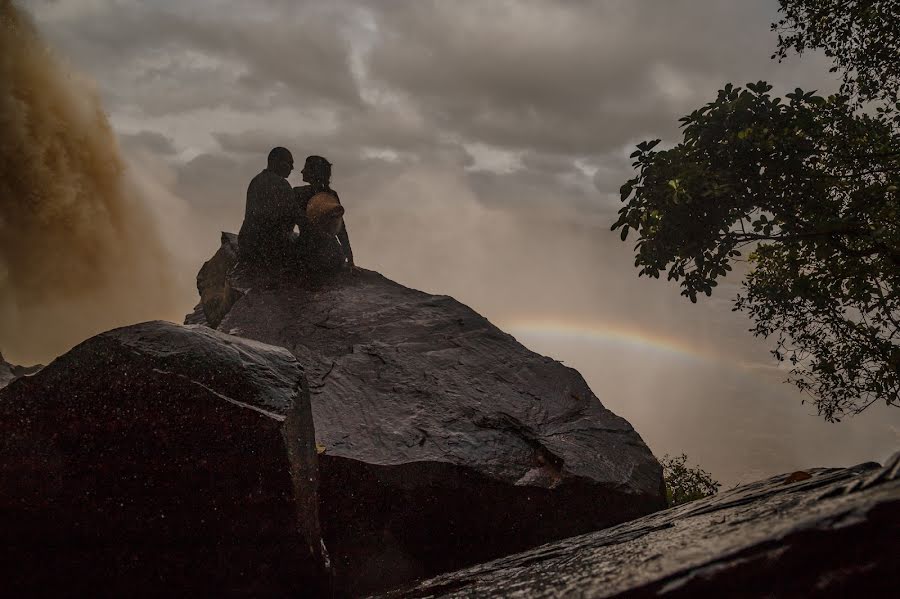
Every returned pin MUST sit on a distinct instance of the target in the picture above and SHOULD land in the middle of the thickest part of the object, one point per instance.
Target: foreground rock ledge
(446, 441)
(159, 459)
(822, 533)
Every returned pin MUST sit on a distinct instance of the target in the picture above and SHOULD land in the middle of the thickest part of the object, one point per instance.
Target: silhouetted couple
(274, 209)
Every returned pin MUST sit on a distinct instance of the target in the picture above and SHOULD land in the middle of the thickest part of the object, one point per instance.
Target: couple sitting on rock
(267, 237)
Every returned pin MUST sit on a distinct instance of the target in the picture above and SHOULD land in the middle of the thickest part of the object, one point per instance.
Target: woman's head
(316, 170)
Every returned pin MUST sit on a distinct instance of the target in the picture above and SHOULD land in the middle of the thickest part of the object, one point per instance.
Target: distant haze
(478, 149)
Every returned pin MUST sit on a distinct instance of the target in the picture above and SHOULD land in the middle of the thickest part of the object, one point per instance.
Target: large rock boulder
(159, 460)
(216, 294)
(821, 533)
(446, 442)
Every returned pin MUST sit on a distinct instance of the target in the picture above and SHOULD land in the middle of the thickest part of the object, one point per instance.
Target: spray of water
(79, 252)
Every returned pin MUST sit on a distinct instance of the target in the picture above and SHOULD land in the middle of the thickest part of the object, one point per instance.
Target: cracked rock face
(831, 534)
(159, 458)
(446, 442)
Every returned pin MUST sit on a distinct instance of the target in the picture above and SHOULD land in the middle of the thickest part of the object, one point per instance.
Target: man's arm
(286, 202)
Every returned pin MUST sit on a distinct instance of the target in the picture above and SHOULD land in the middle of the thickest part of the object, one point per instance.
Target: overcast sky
(478, 148)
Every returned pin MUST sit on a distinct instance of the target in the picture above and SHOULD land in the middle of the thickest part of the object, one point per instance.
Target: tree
(684, 484)
(807, 187)
(859, 35)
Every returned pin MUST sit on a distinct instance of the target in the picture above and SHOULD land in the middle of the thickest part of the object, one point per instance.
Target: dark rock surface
(835, 533)
(216, 293)
(159, 460)
(446, 441)
(10, 372)
(6, 372)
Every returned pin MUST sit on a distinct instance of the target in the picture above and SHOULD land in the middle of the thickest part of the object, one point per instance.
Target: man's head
(317, 170)
(281, 162)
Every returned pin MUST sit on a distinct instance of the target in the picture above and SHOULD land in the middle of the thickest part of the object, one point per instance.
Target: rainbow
(606, 334)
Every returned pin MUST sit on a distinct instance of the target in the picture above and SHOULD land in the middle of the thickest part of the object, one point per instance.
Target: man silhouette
(323, 250)
(271, 213)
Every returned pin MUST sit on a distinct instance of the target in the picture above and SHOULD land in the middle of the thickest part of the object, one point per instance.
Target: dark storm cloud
(170, 57)
(567, 77)
(565, 81)
(369, 128)
(556, 81)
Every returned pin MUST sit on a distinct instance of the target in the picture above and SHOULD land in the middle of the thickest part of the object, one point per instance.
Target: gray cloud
(569, 77)
(166, 57)
(215, 185)
(150, 141)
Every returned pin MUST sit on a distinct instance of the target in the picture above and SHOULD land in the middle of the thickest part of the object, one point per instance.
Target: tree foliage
(862, 37)
(684, 484)
(806, 189)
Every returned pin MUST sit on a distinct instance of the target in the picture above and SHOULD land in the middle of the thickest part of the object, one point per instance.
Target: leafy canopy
(860, 36)
(805, 190)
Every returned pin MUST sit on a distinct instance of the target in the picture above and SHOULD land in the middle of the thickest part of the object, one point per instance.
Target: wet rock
(10, 372)
(6, 372)
(159, 460)
(196, 316)
(832, 534)
(216, 293)
(445, 441)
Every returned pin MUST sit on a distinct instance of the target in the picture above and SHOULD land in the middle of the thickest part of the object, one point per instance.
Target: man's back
(269, 218)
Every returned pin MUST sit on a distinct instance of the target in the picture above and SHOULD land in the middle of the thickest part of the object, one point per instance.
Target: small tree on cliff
(809, 187)
(685, 484)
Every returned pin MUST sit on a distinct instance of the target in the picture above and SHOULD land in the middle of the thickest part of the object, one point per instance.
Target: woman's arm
(344, 238)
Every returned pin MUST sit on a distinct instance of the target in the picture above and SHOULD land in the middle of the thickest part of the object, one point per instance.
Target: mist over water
(79, 253)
